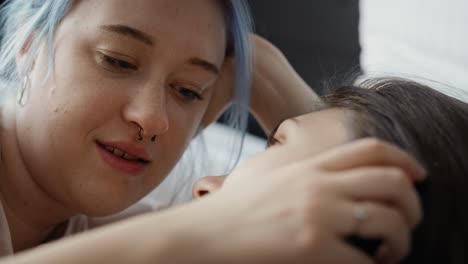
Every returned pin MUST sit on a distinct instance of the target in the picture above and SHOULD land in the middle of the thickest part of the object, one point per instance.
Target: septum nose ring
(140, 136)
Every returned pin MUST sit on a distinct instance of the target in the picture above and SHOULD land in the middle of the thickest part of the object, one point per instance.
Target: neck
(31, 213)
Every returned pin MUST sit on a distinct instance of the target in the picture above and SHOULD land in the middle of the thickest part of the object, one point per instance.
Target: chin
(101, 204)
(104, 210)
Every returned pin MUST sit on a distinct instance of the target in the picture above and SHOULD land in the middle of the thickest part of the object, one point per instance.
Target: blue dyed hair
(240, 26)
(22, 19)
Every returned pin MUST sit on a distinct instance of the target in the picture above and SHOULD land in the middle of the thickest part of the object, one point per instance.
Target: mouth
(122, 160)
(122, 154)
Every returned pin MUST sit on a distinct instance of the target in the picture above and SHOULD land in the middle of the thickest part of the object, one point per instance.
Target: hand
(282, 209)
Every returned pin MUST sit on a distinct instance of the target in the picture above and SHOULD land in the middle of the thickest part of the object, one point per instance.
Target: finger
(370, 152)
(333, 214)
(337, 251)
(384, 223)
(381, 222)
(385, 184)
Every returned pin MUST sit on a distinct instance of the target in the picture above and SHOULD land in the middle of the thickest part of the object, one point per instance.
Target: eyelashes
(121, 64)
(271, 140)
(188, 94)
(118, 65)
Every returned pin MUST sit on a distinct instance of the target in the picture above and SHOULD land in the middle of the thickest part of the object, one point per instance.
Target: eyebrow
(149, 40)
(208, 66)
(130, 32)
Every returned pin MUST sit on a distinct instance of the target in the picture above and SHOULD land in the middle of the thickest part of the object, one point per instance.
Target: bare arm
(163, 237)
(278, 92)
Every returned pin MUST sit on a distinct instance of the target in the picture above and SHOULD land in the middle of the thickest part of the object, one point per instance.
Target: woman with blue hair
(100, 101)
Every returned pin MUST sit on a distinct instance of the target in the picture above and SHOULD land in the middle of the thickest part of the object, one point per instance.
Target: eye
(116, 64)
(271, 141)
(120, 63)
(188, 94)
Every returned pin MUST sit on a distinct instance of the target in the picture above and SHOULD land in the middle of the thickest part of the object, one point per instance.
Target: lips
(121, 148)
(124, 157)
(122, 154)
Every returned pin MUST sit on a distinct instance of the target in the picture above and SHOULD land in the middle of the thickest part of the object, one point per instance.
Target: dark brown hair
(433, 127)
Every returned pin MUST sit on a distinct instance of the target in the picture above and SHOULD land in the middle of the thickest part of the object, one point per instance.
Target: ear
(21, 56)
(223, 90)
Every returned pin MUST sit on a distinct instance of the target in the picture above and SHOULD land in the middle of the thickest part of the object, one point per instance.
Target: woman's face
(119, 65)
(294, 139)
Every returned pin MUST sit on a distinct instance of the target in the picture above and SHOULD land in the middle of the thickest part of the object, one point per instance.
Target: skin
(392, 214)
(42, 188)
(53, 165)
(300, 137)
(279, 202)
(278, 92)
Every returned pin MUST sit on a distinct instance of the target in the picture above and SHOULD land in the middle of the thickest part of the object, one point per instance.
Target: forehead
(317, 131)
(200, 24)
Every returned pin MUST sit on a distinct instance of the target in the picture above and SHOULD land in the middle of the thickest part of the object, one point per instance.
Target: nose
(207, 185)
(149, 111)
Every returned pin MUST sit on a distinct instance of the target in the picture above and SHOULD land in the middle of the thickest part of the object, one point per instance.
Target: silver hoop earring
(24, 86)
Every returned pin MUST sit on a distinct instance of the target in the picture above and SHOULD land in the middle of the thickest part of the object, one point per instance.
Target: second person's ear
(207, 185)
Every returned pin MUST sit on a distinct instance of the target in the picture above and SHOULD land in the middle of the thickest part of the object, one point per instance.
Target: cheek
(184, 124)
(72, 102)
(188, 118)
